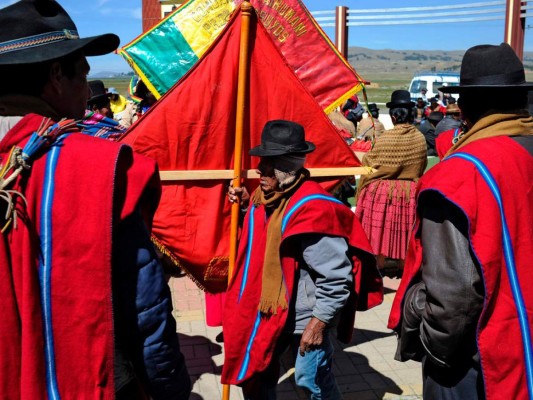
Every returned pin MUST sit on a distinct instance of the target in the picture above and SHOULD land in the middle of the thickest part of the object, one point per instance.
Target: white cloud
(102, 2)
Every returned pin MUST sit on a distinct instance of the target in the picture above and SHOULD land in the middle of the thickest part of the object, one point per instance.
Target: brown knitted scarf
(273, 292)
(399, 154)
(516, 124)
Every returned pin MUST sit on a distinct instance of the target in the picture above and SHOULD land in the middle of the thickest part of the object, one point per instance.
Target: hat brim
(463, 88)
(259, 151)
(91, 46)
(408, 104)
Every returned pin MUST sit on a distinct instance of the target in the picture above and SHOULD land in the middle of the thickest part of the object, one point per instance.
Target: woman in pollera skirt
(386, 197)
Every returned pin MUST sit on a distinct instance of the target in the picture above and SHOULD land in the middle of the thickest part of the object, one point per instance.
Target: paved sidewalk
(365, 369)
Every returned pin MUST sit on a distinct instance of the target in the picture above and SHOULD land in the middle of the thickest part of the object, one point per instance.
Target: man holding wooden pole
(296, 273)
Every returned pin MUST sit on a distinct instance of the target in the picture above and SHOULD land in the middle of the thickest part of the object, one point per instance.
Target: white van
(431, 81)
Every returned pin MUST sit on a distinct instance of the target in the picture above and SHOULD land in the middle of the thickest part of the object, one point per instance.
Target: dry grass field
(121, 84)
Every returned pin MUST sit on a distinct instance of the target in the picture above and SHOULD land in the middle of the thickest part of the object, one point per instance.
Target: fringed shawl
(399, 154)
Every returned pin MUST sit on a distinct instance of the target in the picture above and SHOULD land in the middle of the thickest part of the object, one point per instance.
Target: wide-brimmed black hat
(97, 92)
(400, 99)
(490, 67)
(41, 30)
(282, 137)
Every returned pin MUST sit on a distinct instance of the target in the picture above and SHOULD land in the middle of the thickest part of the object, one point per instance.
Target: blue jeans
(312, 372)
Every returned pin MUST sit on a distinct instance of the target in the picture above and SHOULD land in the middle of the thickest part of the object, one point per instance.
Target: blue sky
(123, 17)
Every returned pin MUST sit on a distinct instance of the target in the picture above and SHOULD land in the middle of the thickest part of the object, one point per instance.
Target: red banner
(165, 53)
(325, 73)
(192, 127)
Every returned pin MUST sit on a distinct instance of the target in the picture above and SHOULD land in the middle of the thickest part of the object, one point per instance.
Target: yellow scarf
(273, 292)
(492, 125)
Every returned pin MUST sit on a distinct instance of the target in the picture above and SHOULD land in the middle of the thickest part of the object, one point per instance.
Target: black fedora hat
(97, 91)
(41, 30)
(490, 67)
(282, 137)
(400, 99)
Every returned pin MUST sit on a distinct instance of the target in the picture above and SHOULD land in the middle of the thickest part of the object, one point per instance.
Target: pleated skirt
(386, 209)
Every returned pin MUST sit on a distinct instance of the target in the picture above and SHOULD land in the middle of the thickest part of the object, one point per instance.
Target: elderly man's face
(267, 178)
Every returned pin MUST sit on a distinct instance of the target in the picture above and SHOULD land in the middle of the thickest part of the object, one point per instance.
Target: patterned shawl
(400, 153)
(97, 125)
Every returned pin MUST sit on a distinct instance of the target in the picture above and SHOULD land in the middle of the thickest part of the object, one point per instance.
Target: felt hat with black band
(490, 67)
(281, 137)
(41, 30)
(400, 99)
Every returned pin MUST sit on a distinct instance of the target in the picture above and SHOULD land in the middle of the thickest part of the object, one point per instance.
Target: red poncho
(497, 200)
(56, 330)
(250, 338)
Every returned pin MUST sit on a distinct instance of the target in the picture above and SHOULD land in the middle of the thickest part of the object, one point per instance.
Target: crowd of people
(87, 311)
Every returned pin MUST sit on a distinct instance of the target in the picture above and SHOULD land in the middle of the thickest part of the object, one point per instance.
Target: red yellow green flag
(164, 54)
(193, 127)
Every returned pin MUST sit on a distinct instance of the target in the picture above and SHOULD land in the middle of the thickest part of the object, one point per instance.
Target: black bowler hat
(400, 99)
(41, 30)
(372, 107)
(97, 91)
(490, 67)
(282, 137)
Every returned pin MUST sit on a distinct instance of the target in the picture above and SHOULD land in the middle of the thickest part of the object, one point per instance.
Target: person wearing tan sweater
(385, 198)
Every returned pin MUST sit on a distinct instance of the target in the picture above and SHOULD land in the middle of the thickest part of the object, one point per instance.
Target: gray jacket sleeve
(331, 268)
(451, 287)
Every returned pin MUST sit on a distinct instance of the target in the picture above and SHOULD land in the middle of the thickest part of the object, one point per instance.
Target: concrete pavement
(365, 369)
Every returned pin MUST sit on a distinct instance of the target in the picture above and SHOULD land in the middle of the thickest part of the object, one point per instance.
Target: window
(418, 85)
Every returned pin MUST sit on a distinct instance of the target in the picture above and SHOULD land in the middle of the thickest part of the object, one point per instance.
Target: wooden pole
(515, 26)
(225, 174)
(341, 30)
(246, 12)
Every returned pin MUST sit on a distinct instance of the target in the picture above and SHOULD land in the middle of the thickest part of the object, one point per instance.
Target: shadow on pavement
(361, 336)
(365, 380)
(355, 377)
(198, 352)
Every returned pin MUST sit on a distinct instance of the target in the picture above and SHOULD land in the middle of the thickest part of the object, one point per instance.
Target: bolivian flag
(166, 52)
(182, 134)
(163, 55)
